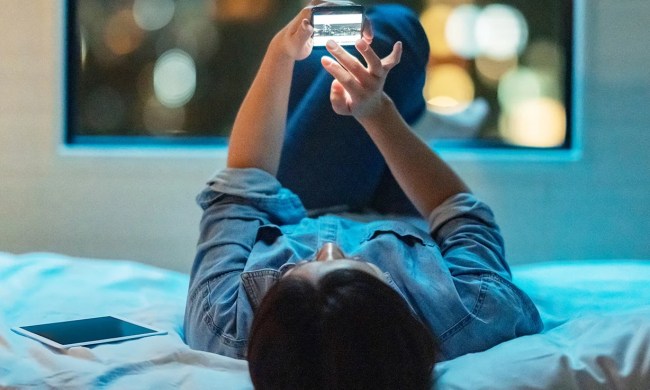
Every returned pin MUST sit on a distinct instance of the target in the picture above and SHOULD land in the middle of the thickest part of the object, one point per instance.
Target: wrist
(293, 46)
(277, 49)
(380, 114)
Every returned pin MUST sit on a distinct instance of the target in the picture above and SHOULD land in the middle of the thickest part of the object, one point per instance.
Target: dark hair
(348, 331)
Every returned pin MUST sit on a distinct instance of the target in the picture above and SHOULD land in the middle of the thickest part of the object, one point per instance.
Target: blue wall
(599, 205)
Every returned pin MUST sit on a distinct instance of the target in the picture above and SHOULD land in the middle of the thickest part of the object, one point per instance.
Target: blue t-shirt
(453, 276)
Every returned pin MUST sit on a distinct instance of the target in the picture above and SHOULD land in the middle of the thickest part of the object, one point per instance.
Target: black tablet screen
(87, 330)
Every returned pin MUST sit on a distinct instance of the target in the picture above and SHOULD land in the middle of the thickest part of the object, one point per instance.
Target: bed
(596, 336)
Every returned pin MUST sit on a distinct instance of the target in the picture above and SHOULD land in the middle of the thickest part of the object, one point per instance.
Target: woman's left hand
(358, 90)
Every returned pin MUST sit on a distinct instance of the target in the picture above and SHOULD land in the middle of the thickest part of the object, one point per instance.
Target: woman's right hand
(294, 40)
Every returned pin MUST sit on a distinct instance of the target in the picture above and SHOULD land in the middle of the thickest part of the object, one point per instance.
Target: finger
(375, 66)
(298, 20)
(393, 58)
(306, 30)
(343, 76)
(331, 3)
(367, 33)
(349, 62)
(338, 100)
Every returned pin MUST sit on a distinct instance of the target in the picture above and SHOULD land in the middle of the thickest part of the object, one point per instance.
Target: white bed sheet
(597, 336)
(597, 332)
(43, 287)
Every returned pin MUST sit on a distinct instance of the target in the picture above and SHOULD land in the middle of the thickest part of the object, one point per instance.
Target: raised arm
(358, 91)
(258, 131)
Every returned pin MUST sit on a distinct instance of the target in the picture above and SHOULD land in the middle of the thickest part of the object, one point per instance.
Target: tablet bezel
(24, 332)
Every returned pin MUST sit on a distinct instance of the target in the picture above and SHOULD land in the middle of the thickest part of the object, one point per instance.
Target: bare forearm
(258, 131)
(358, 91)
(426, 179)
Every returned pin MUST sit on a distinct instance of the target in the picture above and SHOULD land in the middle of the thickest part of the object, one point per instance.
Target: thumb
(305, 31)
(338, 99)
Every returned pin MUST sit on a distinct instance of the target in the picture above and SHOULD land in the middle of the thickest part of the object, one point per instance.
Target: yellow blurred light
(448, 89)
(122, 35)
(535, 123)
(445, 105)
(242, 10)
(460, 31)
(491, 71)
(433, 20)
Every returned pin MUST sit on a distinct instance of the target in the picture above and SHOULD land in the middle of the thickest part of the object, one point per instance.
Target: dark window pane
(175, 72)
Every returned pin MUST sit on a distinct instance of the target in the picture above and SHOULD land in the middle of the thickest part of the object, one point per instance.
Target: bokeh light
(162, 120)
(122, 35)
(449, 89)
(535, 123)
(174, 78)
(241, 10)
(544, 55)
(433, 20)
(520, 84)
(171, 67)
(84, 47)
(153, 14)
(523, 84)
(460, 30)
(199, 38)
(491, 71)
(501, 32)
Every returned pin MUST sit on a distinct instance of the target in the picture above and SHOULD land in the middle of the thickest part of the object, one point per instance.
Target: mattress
(596, 336)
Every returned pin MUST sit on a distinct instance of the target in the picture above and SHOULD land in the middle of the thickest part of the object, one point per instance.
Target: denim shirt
(454, 277)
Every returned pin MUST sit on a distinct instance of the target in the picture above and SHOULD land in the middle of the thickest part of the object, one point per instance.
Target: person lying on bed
(327, 298)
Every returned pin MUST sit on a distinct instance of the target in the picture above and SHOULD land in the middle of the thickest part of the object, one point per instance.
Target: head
(336, 324)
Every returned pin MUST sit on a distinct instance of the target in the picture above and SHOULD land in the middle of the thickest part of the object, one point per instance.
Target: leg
(405, 88)
(325, 155)
(329, 160)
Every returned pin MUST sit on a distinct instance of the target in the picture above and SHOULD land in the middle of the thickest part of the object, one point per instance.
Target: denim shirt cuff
(463, 205)
(257, 188)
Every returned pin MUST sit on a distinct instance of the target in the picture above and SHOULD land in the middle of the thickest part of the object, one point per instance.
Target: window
(174, 72)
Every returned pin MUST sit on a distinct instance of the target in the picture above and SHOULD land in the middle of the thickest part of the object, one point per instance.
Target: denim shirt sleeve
(235, 203)
(473, 250)
(469, 238)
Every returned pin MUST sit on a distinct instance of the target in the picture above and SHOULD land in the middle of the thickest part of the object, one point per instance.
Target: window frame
(74, 144)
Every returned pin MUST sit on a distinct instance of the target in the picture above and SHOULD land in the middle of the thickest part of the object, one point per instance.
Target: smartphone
(343, 24)
(86, 331)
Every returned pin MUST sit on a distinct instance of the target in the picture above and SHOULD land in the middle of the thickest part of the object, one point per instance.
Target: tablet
(86, 331)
